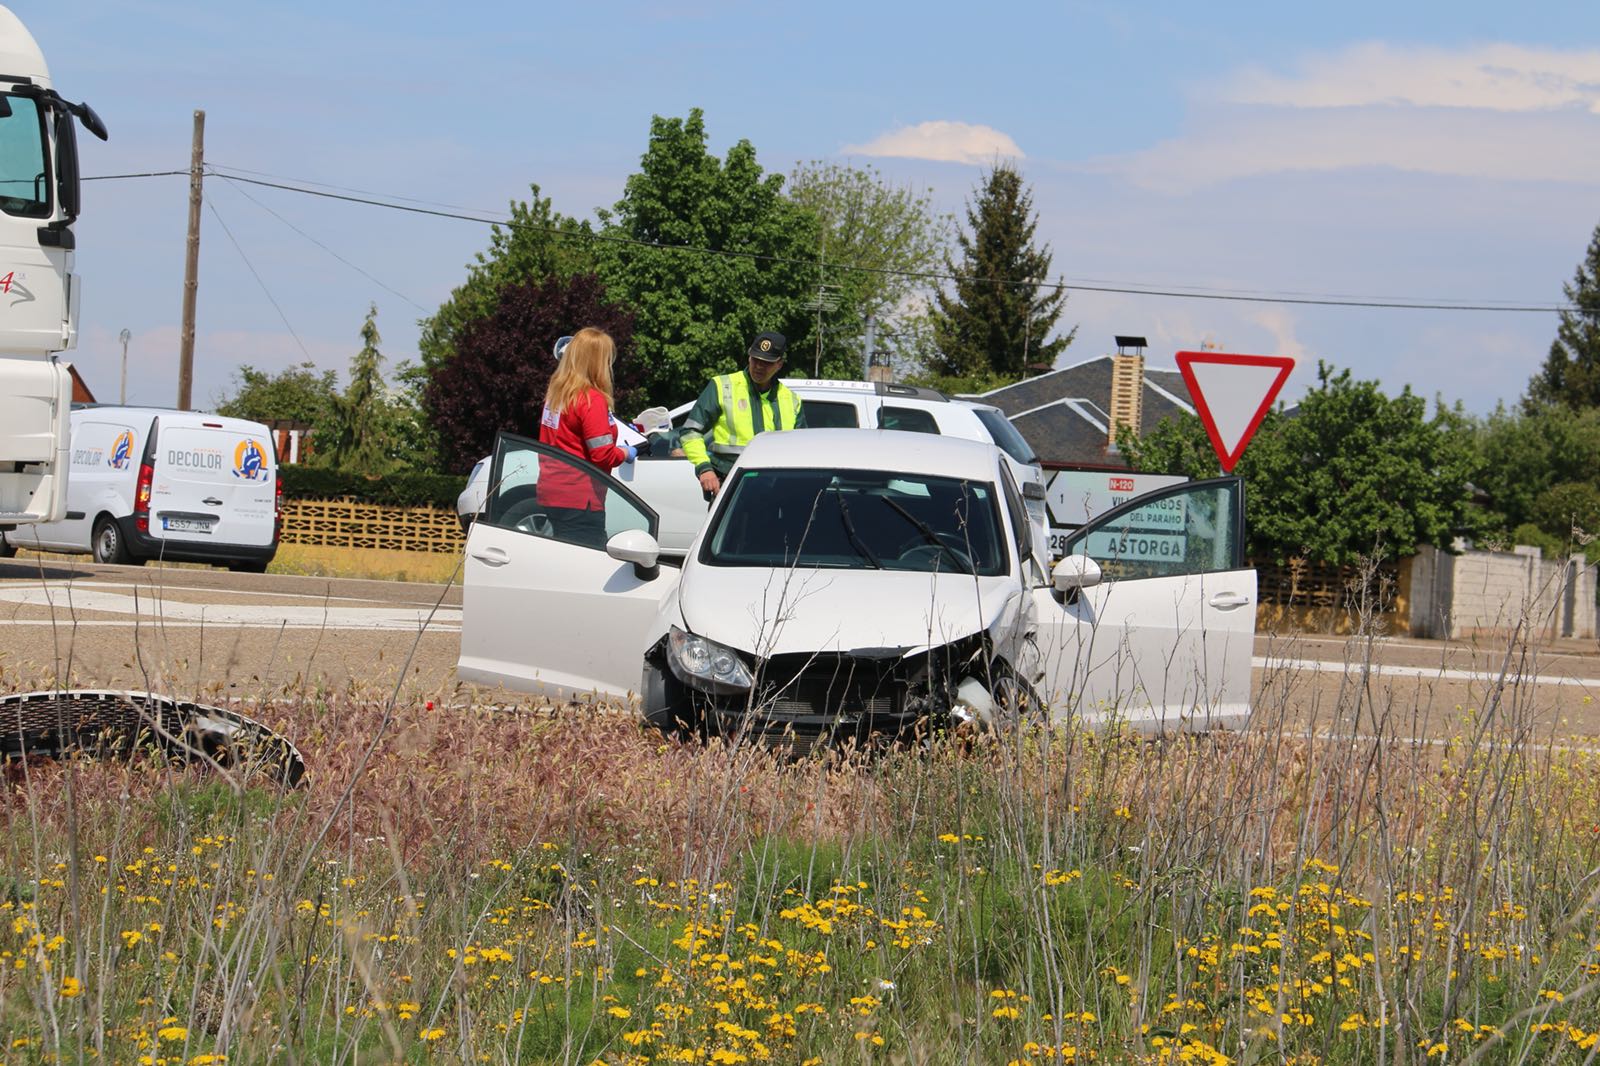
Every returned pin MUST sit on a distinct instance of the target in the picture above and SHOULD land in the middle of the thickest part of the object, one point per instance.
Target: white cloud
(1493, 77)
(1280, 326)
(942, 141)
(1498, 112)
(1239, 142)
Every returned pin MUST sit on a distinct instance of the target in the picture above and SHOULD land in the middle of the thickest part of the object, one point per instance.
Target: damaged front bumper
(808, 699)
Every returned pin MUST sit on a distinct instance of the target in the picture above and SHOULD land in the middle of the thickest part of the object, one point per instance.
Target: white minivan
(147, 483)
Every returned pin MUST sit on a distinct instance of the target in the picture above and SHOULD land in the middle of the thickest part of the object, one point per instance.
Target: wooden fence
(347, 523)
(1316, 597)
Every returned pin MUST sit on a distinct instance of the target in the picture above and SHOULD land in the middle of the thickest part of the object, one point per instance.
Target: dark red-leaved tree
(502, 364)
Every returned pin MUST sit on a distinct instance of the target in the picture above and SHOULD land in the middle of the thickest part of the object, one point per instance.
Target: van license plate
(186, 525)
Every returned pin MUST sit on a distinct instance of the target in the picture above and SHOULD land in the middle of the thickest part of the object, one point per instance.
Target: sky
(1423, 152)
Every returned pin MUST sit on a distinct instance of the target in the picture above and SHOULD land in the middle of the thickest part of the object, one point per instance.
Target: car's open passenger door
(544, 608)
(1165, 640)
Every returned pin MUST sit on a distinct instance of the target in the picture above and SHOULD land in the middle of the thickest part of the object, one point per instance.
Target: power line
(344, 188)
(324, 247)
(1184, 293)
(259, 280)
(143, 174)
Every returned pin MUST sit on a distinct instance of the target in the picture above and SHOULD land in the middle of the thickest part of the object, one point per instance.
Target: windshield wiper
(850, 531)
(928, 534)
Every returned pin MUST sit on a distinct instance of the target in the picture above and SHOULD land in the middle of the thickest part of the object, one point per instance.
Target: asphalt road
(196, 632)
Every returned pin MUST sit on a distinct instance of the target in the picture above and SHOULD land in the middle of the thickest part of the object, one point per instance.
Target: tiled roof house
(1067, 414)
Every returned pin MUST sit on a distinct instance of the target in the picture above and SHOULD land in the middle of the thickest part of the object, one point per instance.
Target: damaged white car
(854, 582)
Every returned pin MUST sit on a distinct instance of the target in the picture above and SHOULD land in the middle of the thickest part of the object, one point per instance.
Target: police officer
(735, 407)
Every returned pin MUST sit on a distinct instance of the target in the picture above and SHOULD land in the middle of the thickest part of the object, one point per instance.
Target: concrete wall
(1482, 592)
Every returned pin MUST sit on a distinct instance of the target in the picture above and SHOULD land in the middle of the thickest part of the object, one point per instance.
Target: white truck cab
(39, 294)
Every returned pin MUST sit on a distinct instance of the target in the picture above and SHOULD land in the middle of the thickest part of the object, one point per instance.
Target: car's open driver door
(544, 609)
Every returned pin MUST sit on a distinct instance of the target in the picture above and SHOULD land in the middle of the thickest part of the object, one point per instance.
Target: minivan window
(1006, 435)
(907, 420)
(824, 414)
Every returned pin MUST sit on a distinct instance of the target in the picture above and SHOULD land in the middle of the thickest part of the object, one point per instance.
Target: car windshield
(858, 519)
(1006, 435)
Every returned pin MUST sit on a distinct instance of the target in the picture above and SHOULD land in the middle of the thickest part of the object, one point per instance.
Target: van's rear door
(213, 482)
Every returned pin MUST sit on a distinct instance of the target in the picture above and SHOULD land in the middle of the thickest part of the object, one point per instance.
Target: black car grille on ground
(100, 722)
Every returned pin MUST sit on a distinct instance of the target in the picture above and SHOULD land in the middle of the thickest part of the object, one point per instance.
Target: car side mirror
(1075, 572)
(639, 548)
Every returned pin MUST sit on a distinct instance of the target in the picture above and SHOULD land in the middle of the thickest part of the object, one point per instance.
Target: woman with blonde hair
(577, 420)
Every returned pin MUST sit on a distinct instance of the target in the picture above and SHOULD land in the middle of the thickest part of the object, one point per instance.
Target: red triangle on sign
(1232, 394)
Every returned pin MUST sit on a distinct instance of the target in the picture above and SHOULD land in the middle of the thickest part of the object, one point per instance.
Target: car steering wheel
(919, 547)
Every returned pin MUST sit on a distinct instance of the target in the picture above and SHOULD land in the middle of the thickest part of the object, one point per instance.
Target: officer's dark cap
(768, 346)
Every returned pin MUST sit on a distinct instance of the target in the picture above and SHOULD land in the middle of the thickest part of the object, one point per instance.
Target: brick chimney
(1127, 390)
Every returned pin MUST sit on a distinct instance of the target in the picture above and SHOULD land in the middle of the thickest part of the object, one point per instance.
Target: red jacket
(586, 429)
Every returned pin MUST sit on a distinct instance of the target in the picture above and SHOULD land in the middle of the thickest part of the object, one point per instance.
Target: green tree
(875, 241)
(301, 393)
(1570, 376)
(1528, 450)
(1350, 472)
(696, 311)
(537, 243)
(503, 364)
(359, 437)
(999, 316)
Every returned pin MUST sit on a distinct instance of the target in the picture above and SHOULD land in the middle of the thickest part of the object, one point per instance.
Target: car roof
(822, 386)
(874, 449)
(171, 416)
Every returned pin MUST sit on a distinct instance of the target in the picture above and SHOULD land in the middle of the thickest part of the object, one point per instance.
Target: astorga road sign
(1232, 394)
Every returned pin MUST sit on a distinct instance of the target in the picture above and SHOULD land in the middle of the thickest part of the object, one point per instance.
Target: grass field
(467, 885)
(370, 563)
(373, 563)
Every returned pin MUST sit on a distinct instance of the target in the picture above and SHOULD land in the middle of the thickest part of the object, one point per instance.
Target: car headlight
(705, 664)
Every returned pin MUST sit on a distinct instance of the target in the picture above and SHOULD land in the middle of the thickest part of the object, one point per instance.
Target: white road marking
(1319, 666)
(151, 609)
(161, 591)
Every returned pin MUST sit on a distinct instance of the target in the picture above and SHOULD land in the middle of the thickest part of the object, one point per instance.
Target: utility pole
(866, 350)
(124, 337)
(191, 265)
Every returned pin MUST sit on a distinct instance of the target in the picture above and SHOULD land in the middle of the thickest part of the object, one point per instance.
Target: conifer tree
(998, 319)
(360, 438)
(1571, 372)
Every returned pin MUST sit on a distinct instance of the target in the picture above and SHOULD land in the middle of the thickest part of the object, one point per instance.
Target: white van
(147, 483)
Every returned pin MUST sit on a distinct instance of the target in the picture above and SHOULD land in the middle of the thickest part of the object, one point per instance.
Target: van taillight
(141, 498)
(277, 509)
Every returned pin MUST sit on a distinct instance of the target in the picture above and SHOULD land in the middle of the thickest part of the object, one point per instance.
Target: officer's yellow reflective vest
(736, 421)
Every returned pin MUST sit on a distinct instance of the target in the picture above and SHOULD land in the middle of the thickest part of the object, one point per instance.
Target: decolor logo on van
(249, 461)
(121, 451)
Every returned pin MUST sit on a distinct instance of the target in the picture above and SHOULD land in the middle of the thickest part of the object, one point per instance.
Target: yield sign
(1232, 394)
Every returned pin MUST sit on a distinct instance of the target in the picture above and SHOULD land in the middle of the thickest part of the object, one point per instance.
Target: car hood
(776, 612)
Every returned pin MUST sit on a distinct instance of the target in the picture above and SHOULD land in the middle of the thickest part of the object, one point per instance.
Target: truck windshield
(858, 519)
(24, 170)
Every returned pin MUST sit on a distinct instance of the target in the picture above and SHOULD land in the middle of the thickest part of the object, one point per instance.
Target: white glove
(654, 420)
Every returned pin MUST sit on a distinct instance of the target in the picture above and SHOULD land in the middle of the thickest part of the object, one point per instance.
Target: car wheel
(249, 566)
(7, 549)
(109, 546)
(1015, 704)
